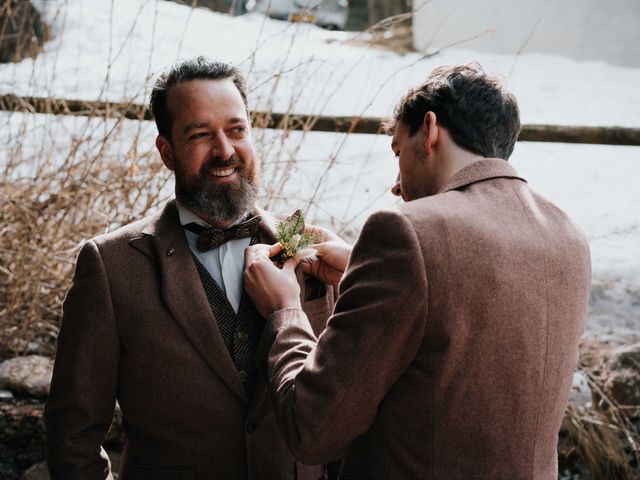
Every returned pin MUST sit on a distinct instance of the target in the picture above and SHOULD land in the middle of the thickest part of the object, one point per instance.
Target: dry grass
(64, 180)
(600, 440)
(51, 198)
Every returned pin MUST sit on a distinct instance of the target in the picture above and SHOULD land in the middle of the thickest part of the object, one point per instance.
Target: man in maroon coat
(450, 352)
(157, 318)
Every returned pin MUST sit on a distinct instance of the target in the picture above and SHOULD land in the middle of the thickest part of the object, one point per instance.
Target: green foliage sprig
(292, 237)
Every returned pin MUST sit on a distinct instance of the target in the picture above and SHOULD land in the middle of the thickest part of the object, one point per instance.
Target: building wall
(607, 30)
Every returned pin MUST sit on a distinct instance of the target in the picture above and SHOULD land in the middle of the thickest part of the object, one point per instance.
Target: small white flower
(295, 240)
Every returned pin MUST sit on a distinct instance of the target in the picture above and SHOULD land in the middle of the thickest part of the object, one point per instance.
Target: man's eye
(198, 135)
(239, 129)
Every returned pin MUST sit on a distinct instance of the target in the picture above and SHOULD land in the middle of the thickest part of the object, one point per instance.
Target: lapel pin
(170, 251)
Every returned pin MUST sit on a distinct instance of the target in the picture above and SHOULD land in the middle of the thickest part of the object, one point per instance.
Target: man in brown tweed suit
(450, 352)
(157, 318)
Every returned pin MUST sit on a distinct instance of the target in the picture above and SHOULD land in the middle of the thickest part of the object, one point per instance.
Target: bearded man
(157, 317)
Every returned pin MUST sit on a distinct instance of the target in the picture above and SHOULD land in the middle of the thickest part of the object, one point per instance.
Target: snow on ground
(114, 50)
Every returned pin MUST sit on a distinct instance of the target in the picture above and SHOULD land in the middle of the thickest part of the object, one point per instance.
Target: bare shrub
(71, 186)
(22, 31)
(68, 178)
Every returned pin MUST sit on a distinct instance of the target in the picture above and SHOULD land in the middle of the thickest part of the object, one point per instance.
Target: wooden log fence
(316, 123)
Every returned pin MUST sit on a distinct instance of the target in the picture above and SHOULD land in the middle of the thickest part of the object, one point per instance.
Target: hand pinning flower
(293, 239)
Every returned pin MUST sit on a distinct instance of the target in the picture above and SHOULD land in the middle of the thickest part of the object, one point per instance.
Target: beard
(218, 202)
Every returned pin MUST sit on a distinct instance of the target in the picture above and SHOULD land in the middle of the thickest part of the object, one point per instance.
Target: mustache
(219, 162)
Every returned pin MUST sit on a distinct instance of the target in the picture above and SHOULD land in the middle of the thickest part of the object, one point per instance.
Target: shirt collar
(187, 216)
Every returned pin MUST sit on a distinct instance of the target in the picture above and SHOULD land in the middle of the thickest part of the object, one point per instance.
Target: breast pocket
(319, 310)
(157, 472)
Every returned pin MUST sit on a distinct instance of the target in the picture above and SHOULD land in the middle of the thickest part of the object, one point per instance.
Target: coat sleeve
(80, 407)
(326, 391)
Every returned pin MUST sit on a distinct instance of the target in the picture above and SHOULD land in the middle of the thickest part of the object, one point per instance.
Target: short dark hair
(199, 68)
(478, 112)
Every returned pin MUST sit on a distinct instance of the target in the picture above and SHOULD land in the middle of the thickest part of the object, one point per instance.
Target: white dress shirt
(225, 263)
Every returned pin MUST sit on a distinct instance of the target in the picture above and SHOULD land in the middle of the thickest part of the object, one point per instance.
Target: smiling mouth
(221, 172)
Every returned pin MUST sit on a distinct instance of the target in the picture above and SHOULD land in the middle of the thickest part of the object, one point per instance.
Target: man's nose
(222, 147)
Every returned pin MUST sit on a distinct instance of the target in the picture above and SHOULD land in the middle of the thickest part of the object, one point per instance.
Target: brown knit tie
(212, 237)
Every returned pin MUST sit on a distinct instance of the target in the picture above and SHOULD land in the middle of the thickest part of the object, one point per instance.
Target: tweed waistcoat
(240, 332)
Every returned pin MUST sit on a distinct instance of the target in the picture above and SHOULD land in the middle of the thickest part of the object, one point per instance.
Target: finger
(290, 265)
(274, 249)
(320, 248)
(325, 248)
(306, 267)
(321, 232)
(249, 256)
(309, 267)
(256, 251)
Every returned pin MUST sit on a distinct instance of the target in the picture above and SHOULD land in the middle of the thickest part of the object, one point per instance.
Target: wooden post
(315, 123)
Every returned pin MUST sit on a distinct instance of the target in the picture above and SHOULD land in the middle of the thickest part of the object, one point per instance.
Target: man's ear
(430, 125)
(166, 152)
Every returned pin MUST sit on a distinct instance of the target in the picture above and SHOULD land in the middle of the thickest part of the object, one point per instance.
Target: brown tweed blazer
(138, 328)
(451, 350)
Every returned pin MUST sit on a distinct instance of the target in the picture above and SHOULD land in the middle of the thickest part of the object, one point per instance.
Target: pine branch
(292, 236)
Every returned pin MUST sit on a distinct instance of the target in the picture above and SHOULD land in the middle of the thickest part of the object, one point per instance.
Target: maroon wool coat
(137, 327)
(451, 349)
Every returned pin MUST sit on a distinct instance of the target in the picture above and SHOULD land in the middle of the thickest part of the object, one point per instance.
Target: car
(331, 14)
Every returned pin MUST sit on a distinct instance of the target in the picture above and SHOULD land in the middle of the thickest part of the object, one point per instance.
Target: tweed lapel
(267, 229)
(184, 295)
(480, 170)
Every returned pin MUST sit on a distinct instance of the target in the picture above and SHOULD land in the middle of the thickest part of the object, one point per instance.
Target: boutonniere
(293, 239)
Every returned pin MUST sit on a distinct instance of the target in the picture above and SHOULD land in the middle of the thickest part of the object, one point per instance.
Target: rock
(38, 471)
(30, 375)
(581, 395)
(21, 438)
(6, 395)
(626, 357)
(40, 345)
(21, 424)
(623, 379)
(8, 468)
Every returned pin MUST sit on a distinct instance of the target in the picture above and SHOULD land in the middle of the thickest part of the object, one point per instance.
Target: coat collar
(479, 171)
(167, 220)
(164, 240)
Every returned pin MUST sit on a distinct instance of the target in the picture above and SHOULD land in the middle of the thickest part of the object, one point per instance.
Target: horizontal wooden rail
(316, 123)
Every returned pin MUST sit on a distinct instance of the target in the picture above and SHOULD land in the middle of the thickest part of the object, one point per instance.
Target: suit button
(242, 336)
(251, 426)
(243, 375)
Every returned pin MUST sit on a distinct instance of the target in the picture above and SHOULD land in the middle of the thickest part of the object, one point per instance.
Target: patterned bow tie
(211, 237)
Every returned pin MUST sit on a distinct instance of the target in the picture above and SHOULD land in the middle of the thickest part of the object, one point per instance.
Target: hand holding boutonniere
(322, 253)
(331, 256)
